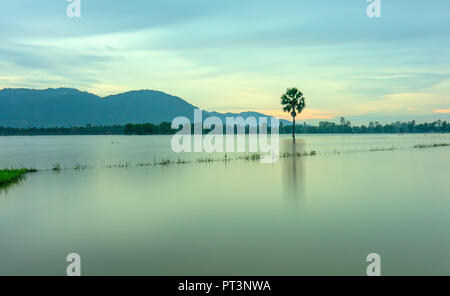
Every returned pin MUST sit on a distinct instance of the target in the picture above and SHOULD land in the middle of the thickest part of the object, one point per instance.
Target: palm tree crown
(293, 101)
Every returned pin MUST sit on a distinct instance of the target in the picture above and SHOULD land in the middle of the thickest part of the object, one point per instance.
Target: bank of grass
(11, 176)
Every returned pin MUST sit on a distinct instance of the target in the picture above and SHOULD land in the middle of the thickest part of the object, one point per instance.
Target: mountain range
(66, 107)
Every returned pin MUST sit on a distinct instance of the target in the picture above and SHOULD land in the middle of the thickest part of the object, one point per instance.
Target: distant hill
(65, 107)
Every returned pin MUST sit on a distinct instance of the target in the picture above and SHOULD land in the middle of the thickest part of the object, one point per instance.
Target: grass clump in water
(120, 165)
(422, 146)
(382, 149)
(298, 154)
(79, 167)
(124, 165)
(164, 162)
(251, 156)
(11, 176)
(144, 164)
(206, 159)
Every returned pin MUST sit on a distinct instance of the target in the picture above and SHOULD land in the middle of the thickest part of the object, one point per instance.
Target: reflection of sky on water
(237, 217)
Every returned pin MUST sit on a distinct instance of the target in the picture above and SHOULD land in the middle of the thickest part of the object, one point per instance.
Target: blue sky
(240, 55)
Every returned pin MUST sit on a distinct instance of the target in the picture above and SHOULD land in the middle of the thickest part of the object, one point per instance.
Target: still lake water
(315, 215)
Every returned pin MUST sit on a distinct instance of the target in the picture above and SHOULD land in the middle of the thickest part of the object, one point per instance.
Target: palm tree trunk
(293, 129)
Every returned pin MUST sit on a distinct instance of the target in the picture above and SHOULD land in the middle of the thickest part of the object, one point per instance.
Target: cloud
(442, 111)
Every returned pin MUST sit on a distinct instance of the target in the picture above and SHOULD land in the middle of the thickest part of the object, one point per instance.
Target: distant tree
(345, 126)
(293, 102)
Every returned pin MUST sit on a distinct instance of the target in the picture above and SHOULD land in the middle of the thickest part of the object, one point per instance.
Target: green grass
(11, 176)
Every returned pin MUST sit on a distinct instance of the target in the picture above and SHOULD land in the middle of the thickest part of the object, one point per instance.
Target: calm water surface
(315, 215)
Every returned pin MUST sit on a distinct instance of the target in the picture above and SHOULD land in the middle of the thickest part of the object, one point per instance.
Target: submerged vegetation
(80, 167)
(422, 146)
(383, 149)
(11, 176)
(56, 167)
(120, 165)
(211, 159)
(297, 154)
(257, 156)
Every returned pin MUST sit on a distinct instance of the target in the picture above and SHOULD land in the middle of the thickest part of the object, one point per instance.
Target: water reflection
(293, 169)
(5, 188)
(177, 219)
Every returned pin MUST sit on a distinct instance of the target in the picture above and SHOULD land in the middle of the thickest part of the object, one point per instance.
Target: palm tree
(293, 102)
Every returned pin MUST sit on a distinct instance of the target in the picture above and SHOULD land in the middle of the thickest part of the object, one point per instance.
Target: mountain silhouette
(65, 107)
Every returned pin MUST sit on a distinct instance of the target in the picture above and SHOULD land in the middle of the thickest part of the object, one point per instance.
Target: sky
(240, 55)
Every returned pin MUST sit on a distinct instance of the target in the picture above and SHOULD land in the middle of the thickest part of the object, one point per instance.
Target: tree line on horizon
(164, 128)
(345, 127)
